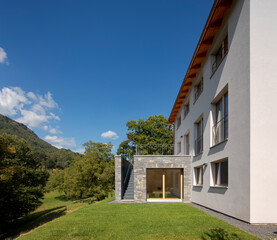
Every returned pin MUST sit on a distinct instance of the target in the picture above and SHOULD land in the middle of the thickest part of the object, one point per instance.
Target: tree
(89, 176)
(22, 179)
(153, 135)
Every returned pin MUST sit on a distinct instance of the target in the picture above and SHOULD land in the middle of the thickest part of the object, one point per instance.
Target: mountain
(50, 156)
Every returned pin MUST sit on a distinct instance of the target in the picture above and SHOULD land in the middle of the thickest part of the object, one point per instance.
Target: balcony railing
(199, 145)
(220, 130)
(154, 149)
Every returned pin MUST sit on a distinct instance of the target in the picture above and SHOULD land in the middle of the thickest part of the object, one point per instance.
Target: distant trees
(89, 176)
(153, 131)
(50, 156)
(22, 179)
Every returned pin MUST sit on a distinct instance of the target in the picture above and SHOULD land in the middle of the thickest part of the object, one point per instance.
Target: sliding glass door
(164, 183)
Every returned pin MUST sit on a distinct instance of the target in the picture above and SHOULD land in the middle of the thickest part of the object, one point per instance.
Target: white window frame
(217, 172)
(196, 176)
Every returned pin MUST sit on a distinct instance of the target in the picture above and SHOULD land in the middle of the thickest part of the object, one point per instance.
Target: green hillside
(49, 155)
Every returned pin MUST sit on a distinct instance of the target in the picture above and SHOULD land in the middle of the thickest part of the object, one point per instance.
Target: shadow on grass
(219, 234)
(63, 198)
(31, 222)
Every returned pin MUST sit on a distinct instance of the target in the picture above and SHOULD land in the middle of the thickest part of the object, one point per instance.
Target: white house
(225, 120)
(225, 114)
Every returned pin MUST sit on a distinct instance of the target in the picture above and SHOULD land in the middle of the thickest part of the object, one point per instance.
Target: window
(220, 54)
(199, 137)
(198, 89)
(198, 173)
(220, 173)
(178, 147)
(178, 123)
(187, 144)
(220, 129)
(186, 109)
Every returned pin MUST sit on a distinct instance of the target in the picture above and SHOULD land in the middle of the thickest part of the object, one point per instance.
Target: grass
(54, 205)
(134, 221)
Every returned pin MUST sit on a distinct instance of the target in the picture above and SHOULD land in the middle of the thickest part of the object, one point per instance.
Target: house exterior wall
(263, 90)
(232, 74)
(141, 163)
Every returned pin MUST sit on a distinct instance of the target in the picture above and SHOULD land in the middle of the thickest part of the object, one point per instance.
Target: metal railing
(220, 130)
(154, 149)
(199, 145)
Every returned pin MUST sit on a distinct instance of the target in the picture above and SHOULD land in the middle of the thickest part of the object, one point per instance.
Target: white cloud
(54, 116)
(11, 100)
(3, 56)
(54, 130)
(60, 141)
(29, 108)
(32, 95)
(109, 134)
(33, 119)
(80, 150)
(47, 101)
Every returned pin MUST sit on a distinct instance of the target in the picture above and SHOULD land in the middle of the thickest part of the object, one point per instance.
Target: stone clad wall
(141, 163)
(118, 181)
(121, 168)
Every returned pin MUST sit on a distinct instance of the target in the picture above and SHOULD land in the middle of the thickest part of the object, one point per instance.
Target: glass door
(164, 183)
(154, 180)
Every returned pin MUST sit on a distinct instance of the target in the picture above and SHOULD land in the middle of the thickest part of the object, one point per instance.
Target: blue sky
(73, 70)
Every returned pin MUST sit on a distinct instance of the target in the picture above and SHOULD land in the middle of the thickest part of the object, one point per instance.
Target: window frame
(217, 173)
(178, 122)
(223, 121)
(197, 136)
(198, 89)
(223, 51)
(179, 147)
(186, 109)
(187, 143)
(196, 176)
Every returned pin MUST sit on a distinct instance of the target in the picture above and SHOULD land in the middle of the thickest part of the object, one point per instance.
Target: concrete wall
(263, 88)
(141, 163)
(233, 74)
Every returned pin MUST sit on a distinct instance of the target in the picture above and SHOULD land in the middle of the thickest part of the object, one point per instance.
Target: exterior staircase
(129, 191)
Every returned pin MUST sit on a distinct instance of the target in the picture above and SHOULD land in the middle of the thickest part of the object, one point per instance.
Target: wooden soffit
(212, 26)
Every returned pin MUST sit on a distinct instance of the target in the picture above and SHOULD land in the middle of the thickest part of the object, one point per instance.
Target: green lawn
(133, 221)
(54, 205)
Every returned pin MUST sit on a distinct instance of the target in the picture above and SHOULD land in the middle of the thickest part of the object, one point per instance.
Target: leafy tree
(56, 180)
(22, 179)
(153, 132)
(126, 149)
(89, 176)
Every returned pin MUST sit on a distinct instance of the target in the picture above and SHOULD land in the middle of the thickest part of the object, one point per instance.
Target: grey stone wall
(118, 181)
(121, 168)
(141, 163)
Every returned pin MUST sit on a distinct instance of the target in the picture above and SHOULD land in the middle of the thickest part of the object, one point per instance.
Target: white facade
(248, 72)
